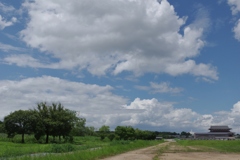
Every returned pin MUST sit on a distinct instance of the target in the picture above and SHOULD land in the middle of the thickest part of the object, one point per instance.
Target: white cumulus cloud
(163, 87)
(4, 23)
(235, 7)
(5, 8)
(100, 106)
(116, 36)
(87, 98)
(236, 30)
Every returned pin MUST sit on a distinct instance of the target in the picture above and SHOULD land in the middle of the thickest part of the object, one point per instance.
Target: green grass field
(221, 146)
(85, 148)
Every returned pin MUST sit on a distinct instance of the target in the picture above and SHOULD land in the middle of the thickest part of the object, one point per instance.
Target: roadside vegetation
(85, 147)
(51, 131)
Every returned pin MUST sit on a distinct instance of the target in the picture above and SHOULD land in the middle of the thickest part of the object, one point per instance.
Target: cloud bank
(100, 106)
(136, 36)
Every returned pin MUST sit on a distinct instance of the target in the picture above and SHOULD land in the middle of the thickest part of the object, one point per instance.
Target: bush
(102, 136)
(111, 136)
(60, 148)
(68, 139)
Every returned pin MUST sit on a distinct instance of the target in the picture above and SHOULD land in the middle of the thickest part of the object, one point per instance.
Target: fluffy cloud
(100, 106)
(24, 94)
(163, 87)
(235, 7)
(115, 36)
(5, 8)
(236, 30)
(4, 23)
(8, 11)
(6, 48)
(164, 115)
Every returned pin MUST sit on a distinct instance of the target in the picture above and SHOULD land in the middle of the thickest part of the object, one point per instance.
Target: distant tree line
(126, 133)
(62, 124)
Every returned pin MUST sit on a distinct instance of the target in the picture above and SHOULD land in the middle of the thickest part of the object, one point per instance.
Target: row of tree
(45, 120)
(126, 133)
(56, 121)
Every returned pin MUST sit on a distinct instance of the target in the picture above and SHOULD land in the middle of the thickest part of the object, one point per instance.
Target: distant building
(216, 132)
(159, 138)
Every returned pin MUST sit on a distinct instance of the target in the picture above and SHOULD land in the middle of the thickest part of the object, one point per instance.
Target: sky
(161, 65)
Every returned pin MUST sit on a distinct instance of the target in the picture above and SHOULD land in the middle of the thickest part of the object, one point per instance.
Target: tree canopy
(45, 119)
(19, 122)
(55, 120)
(1, 127)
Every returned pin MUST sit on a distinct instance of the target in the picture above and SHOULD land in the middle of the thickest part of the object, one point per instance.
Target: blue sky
(159, 65)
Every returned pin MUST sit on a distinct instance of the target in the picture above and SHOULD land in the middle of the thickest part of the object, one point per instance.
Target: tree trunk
(22, 137)
(47, 136)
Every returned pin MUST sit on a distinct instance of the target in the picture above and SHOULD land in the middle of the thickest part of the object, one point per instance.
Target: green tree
(55, 120)
(103, 131)
(185, 134)
(111, 136)
(62, 120)
(125, 132)
(1, 127)
(44, 122)
(79, 128)
(90, 131)
(19, 122)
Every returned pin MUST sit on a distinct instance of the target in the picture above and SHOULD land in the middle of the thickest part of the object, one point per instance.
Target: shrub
(60, 148)
(111, 136)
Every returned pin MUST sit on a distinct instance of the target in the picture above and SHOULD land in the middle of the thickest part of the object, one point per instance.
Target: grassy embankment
(217, 145)
(85, 148)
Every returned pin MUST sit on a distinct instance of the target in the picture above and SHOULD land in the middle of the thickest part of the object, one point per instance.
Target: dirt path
(177, 152)
(172, 151)
(199, 156)
(141, 154)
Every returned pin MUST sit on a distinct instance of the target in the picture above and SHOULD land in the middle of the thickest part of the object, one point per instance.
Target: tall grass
(222, 146)
(9, 149)
(111, 149)
(86, 148)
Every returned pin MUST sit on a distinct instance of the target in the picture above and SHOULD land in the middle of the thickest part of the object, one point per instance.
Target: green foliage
(125, 132)
(98, 150)
(102, 136)
(2, 130)
(9, 149)
(19, 122)
(144, 135)
(185, 134)
(79, 128)
(166, 135)
(111, 136)
(90, 131)
(104, 129)
(60, 148)
(44, 121)
(55, 120)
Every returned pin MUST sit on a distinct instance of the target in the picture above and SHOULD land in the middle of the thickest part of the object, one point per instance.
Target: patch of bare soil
(172, 151)
(199, 156)
(141, 154)
(177, 152)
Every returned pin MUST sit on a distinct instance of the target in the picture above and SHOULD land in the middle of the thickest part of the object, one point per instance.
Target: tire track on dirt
(140, 154)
